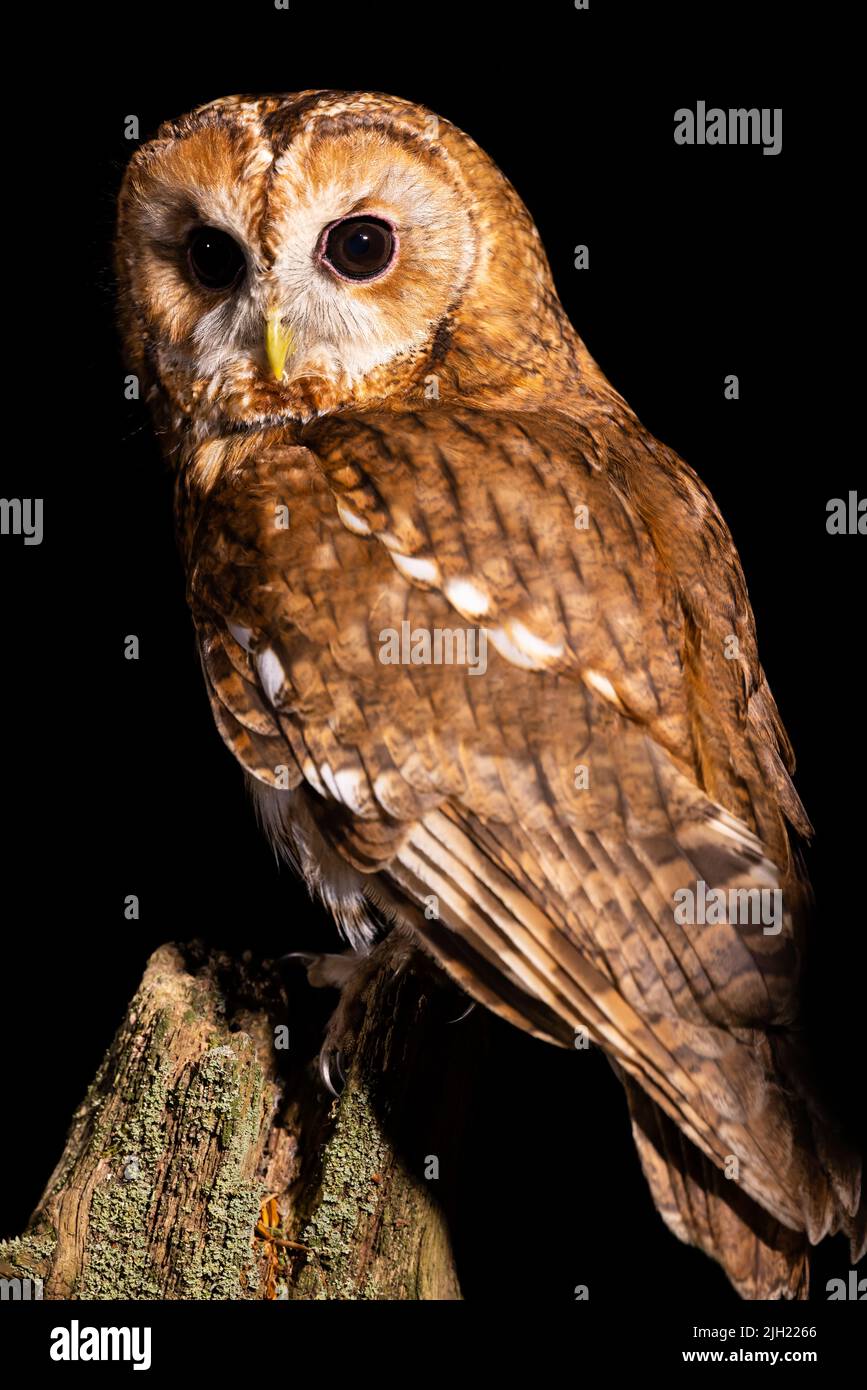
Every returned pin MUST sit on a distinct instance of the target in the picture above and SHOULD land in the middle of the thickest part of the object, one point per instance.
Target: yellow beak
(278, 343)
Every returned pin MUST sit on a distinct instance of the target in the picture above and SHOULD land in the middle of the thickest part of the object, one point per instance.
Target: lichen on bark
(193, 1119)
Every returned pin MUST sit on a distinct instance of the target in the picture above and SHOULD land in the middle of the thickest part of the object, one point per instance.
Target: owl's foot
(328, 971)
(351, 973)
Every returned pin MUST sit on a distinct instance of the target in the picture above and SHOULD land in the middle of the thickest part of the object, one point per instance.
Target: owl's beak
(278, 342)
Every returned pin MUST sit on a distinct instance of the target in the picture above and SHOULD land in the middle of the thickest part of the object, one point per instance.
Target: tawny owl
(481, 643)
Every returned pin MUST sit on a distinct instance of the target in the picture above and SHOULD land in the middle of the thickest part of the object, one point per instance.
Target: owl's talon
(338, 1066)
(327, 970)
(327, 1061)
(355, 972)
(466, 1013)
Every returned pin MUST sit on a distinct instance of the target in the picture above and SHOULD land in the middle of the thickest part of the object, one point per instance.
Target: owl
(481, 644)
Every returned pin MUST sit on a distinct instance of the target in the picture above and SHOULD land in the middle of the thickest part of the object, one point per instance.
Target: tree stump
(197, 1117)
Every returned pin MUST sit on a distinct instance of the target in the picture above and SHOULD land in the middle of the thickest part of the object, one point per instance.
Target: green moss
(30, 1254)
(222, 1097)
(208, 1119)
(354, 1152)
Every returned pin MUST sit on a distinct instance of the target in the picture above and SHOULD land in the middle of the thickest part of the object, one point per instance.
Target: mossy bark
(196, 1117)
(373, 1196)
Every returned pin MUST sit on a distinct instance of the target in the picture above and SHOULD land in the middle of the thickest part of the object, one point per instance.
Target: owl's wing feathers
(620, 746)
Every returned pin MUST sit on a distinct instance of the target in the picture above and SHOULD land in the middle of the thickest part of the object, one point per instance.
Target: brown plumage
(430, 443)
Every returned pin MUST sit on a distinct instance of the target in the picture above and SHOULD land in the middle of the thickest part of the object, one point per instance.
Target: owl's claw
(352, 973)
(328, 1062)
(327, 971)
(466, 1013)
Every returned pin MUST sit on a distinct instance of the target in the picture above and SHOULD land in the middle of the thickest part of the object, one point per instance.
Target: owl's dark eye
(215, 258)
(359, 248)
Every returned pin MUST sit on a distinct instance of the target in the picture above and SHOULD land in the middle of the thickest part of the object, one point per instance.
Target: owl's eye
(359, 248)
(215, 258)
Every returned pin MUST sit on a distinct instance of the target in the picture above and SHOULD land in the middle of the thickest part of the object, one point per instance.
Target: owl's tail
(702, 1206)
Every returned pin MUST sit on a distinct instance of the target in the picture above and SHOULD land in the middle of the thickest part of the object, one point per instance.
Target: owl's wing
(533, 811)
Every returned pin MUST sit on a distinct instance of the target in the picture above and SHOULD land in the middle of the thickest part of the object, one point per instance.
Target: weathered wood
(368, 1202)
(195, 1117)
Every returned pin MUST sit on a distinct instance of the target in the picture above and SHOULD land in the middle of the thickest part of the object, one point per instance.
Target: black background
(703, 262)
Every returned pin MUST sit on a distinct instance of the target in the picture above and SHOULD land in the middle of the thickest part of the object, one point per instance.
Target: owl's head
(284, 256)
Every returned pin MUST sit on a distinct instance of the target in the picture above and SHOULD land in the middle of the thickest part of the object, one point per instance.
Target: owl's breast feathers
(607, 741)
